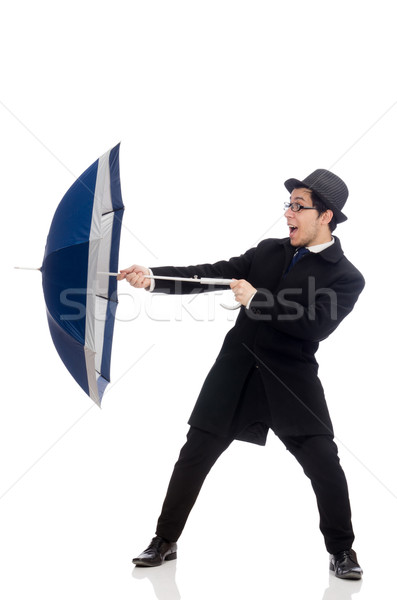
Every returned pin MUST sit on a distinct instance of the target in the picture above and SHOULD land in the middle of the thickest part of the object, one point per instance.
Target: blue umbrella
(81, 299)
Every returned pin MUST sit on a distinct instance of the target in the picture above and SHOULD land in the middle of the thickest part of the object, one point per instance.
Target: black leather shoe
(345, 565)
(156, 553)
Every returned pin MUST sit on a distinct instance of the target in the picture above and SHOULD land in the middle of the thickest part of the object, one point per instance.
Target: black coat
(279, 334)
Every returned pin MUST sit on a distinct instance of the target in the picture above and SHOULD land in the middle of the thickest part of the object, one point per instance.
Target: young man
(294, 292)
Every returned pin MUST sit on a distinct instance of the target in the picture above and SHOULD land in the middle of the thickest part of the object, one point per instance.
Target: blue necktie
(300, 253)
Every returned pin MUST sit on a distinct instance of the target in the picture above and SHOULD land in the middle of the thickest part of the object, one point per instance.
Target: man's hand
(243, 291)
(135, 276)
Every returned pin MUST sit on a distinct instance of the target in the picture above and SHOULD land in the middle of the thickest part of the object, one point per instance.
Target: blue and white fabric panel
(83, 239)
(102, 257)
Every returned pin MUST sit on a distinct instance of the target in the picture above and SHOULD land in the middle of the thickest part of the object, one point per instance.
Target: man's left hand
(243, 291)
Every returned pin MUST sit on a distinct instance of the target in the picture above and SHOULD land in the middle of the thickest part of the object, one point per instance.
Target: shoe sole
(143, 563)
(351, 575)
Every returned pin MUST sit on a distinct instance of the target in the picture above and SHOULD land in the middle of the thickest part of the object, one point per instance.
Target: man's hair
(322, 208)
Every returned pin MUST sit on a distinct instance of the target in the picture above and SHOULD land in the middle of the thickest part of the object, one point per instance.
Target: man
(294, 292)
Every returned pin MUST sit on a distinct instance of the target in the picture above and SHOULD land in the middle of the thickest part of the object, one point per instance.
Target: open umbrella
(79, 272)
(82, 244)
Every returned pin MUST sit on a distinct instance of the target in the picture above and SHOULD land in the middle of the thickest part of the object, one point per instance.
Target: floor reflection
(162, 579)
(340, 589)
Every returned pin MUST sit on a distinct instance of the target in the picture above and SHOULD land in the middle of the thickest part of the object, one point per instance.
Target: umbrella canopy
(81, 300)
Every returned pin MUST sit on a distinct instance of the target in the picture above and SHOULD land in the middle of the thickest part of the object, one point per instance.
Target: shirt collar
(320, 247)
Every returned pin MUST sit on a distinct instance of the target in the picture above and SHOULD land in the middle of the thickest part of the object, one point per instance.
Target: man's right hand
(135, 276)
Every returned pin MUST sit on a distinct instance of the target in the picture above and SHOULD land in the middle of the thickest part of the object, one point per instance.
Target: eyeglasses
(296, 207)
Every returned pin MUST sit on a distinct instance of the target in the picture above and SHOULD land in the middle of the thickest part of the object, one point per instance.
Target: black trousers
(318, 456)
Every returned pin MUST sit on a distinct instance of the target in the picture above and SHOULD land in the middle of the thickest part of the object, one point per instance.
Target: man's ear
(327, 216)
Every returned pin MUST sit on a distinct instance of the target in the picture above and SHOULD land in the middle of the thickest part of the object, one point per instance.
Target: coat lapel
(332, 254)
(289, 252)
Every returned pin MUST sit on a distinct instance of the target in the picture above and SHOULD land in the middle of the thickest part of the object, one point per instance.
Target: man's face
(307, 228)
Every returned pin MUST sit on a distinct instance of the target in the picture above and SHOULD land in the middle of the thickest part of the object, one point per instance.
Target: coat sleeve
(315, 319)
(237, 267)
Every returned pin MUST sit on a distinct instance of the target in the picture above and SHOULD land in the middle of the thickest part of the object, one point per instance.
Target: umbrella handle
(235, 307)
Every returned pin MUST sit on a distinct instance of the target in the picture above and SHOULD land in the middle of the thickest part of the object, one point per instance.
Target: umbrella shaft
(202, 280)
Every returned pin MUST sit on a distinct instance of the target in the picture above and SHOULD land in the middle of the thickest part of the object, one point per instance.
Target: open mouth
(292, 230)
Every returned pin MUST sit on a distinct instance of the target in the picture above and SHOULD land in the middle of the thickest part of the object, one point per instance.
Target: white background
(216, 103)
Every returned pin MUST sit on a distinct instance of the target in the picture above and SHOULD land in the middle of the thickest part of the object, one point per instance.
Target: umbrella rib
(99, 373)
(112, 211)
(105, 298)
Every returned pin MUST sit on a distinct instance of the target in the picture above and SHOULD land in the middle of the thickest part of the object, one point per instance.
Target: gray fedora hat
(329, 188)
